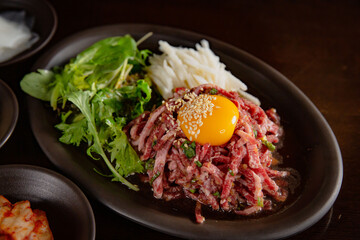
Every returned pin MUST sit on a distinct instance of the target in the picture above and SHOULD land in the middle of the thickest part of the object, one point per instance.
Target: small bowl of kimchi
(32, 192)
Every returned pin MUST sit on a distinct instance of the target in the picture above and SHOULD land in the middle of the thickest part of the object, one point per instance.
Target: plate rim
(256, 64)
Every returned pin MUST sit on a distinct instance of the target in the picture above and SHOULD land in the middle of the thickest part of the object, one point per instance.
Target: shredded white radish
(186, 67)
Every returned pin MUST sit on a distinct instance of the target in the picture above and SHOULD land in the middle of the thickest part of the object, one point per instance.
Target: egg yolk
(208, 119)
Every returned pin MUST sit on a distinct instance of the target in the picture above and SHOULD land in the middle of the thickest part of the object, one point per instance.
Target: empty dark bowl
(68, 211)
(45, 24)
(9, 111)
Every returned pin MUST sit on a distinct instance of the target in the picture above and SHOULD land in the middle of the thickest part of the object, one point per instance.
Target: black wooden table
(316, 44)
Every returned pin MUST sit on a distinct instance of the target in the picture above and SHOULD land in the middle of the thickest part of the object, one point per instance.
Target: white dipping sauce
(15, 37)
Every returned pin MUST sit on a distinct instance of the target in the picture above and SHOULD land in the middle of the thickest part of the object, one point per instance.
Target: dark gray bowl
(68, 211)
(309, 143)
(45, 24)
(9, 112)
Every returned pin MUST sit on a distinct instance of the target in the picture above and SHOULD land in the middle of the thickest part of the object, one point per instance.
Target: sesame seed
(197, 108)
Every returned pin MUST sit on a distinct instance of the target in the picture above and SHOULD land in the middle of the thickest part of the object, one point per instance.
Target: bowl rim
(22, 56)
(15, 113)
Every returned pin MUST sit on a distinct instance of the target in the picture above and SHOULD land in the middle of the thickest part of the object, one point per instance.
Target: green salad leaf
(37, 84)
(81, 100)
(107, 63)
(97, 93)
(120, 147)
(73, 133)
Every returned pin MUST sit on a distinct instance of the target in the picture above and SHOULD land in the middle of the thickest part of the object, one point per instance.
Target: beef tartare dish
(212, 146)
(180, 120)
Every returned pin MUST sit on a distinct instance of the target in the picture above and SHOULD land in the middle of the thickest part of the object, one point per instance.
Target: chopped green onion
(193, 180)
(268, 144)
(189, 149)
(217, 194)
(260, 202)
(149, 164)
(231, 172)
(255, 133)
(192, 190)
(213, 91)
(199, 164)
(154, 177)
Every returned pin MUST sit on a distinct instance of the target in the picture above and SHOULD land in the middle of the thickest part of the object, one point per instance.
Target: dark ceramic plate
(44, 19)
(310, 145)
(68, 211)
(9, 111)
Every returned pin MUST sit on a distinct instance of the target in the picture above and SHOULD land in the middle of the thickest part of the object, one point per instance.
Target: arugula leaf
(81, 100)
(106, 103)
(107, 63)
(128, 102)
(126, 159)
(134, 98)
(96, 82)
(73, 133)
